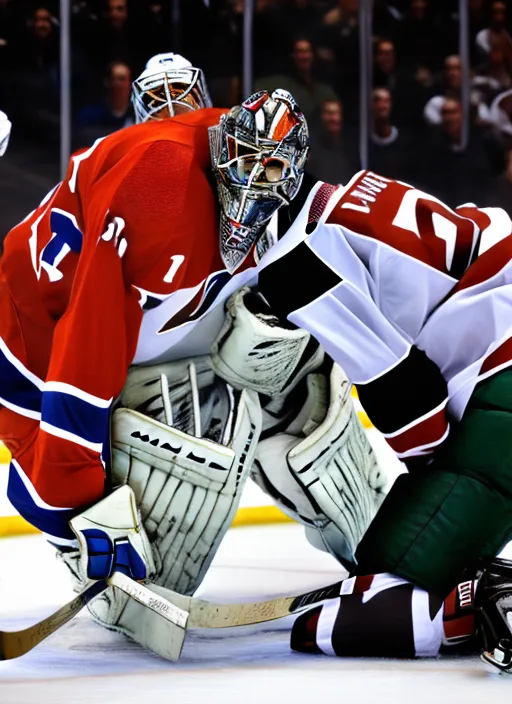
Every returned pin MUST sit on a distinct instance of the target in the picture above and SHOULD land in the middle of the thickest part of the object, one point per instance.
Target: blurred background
(419, 90)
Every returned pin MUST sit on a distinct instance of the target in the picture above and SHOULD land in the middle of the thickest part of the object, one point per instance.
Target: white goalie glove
(110, 538)
(318, 463)
(255, 350)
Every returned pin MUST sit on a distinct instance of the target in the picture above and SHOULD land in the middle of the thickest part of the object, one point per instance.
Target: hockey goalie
(140, 350)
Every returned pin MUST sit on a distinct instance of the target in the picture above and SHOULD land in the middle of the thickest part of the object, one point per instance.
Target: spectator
(408, 95)
(276, 23)
(330, 157)
(300, 81)
(494, 76)
(389, 147)
(499, 193)
(115, 38)
(455, 174)
(451, 88)
(338, 42)
(113, 112)
(414, 43)
(35, 67)
(497, 28)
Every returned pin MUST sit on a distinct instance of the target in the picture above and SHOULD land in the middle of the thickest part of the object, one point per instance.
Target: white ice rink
(85, 664)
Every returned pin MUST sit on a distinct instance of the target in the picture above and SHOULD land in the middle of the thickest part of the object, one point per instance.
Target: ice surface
(85, 664)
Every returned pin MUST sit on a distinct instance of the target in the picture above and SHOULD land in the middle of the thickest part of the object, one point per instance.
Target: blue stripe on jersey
(50, 520)
(74, 415)
(16, 390)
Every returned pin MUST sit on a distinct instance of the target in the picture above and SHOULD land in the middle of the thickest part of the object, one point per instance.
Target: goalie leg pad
(329, 480)
(188, 488)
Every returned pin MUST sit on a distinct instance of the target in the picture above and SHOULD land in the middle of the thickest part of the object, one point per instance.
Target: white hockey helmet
(168, 86)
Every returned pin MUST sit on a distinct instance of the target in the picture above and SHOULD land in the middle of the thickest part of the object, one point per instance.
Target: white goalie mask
(168, 86)
(259, 151)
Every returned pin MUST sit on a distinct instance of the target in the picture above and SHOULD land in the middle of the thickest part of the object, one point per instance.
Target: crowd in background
(310, 47)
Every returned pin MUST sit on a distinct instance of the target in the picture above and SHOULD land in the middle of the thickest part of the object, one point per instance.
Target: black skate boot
(493, 604)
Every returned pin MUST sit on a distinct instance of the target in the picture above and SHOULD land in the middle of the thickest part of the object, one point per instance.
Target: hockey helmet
(259, 151)
(168, 86)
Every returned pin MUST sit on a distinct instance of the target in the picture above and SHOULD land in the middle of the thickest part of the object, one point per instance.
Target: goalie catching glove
(255, 350)
(317, 464)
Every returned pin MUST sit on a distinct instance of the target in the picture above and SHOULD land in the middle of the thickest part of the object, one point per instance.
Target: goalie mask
(168, 86)
(259, 151)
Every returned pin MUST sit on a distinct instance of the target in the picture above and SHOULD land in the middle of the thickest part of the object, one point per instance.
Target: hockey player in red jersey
(120, 266)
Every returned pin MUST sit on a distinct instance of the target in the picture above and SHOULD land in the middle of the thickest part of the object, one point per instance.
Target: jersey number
(432, 221)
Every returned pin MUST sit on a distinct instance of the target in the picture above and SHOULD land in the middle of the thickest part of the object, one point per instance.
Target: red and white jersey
(411, 298)
(117, 265)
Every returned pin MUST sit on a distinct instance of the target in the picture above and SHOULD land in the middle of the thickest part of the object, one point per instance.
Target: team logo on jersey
(66, 237)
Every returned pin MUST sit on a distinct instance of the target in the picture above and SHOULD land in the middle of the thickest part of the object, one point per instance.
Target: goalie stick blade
(150, 598)
(13, 644)
(206, 614)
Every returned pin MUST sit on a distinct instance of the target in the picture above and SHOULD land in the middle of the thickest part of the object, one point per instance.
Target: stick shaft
(16, 643)
(206, 614)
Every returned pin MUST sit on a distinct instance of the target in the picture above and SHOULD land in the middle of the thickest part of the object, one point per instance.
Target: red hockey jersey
(131, 231)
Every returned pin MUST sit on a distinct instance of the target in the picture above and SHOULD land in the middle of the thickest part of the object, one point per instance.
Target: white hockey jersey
(411, 298)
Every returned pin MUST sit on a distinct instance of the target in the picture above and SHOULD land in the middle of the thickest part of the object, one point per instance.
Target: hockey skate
(493, 602)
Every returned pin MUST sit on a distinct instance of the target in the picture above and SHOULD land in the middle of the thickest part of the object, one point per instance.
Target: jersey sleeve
(93, 345)
(365, 278)
(96, 338)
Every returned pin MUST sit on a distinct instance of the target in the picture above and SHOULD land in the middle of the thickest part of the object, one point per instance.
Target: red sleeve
(128, 241)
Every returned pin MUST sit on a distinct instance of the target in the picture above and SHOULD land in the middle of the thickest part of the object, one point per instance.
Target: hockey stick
(16, 643)
(193, 612)
(181, 611)
(13, 644)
